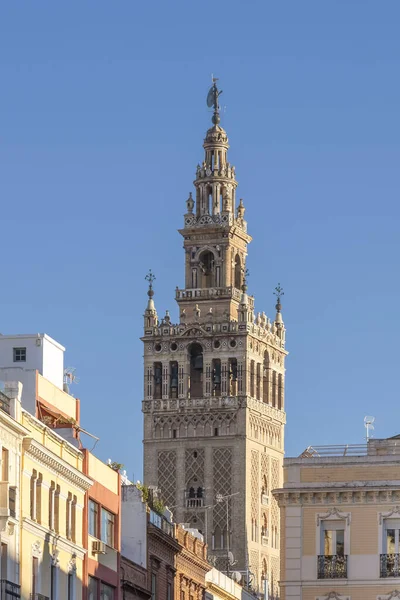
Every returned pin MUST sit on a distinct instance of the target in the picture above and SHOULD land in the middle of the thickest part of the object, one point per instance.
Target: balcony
(38, 597)
(332, 567)
(194, 502)
(264, 499)
(4, 403)
(390, 565)
(162, 523)
(9, 590)
(264, 540)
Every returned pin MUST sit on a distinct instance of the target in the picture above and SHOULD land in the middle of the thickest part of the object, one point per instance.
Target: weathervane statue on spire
(150, 277)
(212, 100)
(278, 293)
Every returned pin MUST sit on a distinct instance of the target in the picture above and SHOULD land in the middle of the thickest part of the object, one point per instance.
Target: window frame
(153, 589)
(332, 517)
(19, 354)
(96, 523)
(105, 537)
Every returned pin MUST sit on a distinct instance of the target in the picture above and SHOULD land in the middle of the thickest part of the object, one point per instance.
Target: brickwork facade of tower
(214, 384)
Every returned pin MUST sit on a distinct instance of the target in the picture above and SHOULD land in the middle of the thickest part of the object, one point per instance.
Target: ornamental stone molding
(37, 549)
(56, 464)
(71, 567)
(391, 596)
(332, 514)
(387, 515)
(342, 493)
(52, 539)
(333, 596)
(55, 561)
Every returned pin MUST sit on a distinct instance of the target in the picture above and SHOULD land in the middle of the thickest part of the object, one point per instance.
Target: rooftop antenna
(369, 426)
(69, 378)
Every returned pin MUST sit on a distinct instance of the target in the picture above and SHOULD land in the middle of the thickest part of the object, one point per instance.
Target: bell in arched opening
(196, 370)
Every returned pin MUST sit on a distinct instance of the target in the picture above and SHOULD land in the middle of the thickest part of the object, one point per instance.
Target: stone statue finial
(197, 311)
(240, 209)
(190, 204)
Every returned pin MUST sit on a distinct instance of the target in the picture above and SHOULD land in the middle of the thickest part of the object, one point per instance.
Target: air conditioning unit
(98, 547)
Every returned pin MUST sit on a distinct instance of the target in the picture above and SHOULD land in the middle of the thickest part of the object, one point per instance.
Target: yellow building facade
(53, 489)
(340, 523)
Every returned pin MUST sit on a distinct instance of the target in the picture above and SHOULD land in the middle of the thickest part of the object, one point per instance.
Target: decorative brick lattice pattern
(254, 564)
(274, 579)
(196, 518)
(167, 477)
(255, 488)
(265, 472)
(194, 466)
(222, 480)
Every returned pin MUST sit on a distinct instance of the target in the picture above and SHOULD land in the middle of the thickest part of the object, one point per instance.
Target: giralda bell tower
(214, 382)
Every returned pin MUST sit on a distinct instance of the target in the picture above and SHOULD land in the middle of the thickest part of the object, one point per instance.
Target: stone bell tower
(214, 383)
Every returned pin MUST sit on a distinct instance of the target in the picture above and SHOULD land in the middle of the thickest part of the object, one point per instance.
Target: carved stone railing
(390, 565)
(194, 502)
(213, 402)
(332, 566)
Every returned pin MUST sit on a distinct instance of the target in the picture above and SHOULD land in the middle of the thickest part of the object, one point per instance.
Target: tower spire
(150, 315)
(280, 327)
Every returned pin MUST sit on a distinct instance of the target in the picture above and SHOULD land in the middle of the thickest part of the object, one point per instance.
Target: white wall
(133, 525)
(53, 361)
(43, 354)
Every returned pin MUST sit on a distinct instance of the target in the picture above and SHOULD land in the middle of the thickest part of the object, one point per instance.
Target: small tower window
(216, 376)
(157, 380)
(233, 376)
(174, 379)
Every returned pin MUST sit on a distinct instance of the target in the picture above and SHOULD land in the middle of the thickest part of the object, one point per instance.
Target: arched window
(274, 388)
(207, 269)
(252, 365)
(196, 370)
(218, 538)
(280, 392)
(238, 272)
(266, 375)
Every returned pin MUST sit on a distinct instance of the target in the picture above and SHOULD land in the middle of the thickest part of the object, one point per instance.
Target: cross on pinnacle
(150, 277)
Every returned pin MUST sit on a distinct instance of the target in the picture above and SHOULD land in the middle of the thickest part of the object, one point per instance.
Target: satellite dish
(236, 576)
(231, 559)
(211, 97)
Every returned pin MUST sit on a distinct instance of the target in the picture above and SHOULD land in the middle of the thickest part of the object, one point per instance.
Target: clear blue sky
(102, 117)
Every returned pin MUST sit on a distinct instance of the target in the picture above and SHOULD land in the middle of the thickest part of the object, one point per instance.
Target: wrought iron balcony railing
(332, 566)
(9, 590)
(390, 565)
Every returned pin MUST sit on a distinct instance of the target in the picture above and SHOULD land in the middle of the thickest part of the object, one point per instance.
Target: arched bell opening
(207, 269)
(216, 376)
(196, 370)
(238, 272)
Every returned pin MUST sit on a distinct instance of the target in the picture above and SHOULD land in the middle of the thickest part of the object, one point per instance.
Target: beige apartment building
(340, 523)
